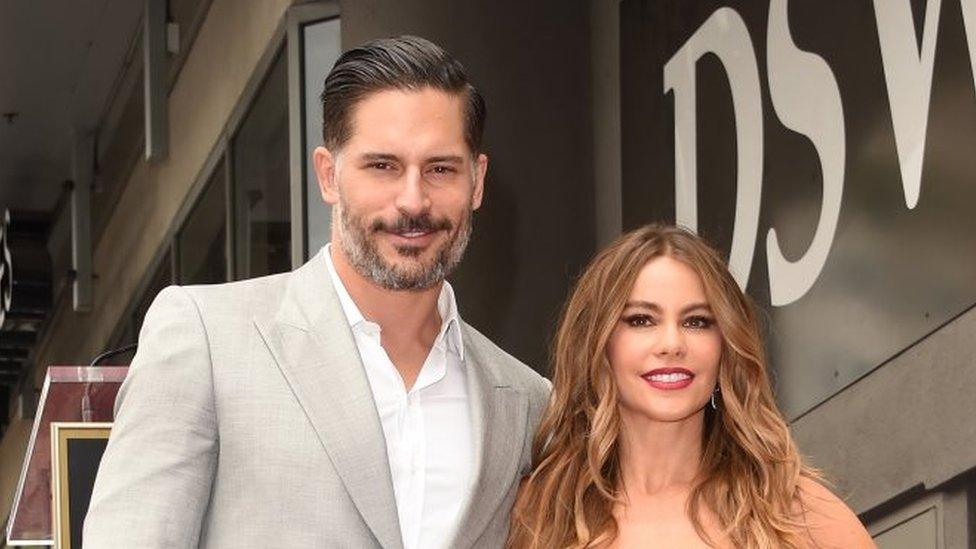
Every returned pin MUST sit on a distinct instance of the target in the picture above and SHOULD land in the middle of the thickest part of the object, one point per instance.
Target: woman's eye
(699, 322)
(638, 321)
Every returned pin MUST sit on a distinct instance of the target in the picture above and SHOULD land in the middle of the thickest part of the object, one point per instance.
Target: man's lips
(413, 234)
(668, 378)
(415, 237)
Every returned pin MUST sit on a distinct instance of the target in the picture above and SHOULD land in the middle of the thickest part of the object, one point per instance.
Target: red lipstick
(668, 378)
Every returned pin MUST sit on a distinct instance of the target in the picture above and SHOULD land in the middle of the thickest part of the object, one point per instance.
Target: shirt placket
(414, 457)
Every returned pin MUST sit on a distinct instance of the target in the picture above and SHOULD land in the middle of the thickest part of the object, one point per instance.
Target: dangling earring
(715, 392)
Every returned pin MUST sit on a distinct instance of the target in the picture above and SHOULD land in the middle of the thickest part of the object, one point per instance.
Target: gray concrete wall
(536, 228)
(905, 432)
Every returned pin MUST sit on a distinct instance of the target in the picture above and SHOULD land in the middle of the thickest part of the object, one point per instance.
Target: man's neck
(409, 319)
(396, 311)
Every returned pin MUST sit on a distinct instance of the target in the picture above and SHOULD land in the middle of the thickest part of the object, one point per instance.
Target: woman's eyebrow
(695, 307)
(641, 304)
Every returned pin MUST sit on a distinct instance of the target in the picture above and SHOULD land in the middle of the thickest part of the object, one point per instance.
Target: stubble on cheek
(360, 242)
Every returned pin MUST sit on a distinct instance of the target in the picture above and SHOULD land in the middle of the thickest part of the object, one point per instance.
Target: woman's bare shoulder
(830, 522)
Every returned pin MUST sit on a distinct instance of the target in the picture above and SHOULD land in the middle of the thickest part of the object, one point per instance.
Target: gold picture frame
(62, 433)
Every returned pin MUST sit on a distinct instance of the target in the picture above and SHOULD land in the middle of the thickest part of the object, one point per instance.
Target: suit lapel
(313, 345)
(499, 416)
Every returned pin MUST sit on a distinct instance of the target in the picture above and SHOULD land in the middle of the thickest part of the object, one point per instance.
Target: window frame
(286, 40)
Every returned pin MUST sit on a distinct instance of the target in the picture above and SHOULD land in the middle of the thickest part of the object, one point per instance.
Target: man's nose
(413, 198)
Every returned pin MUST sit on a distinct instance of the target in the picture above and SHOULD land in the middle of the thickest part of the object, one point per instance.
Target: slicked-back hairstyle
(402, 63)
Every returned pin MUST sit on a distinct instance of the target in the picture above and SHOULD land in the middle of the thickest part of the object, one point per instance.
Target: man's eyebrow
(388, 157)
(447, 158)
(375, 156)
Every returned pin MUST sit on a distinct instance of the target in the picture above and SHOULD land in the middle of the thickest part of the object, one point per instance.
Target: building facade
(740, 120)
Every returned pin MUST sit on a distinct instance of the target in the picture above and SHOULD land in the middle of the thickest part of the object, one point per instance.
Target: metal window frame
(287, 34)
(607, 137)
(83, 178)
(155, 80)
(934, 502)
(298, 17)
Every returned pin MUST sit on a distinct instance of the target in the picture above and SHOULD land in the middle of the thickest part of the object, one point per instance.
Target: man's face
(403, 187)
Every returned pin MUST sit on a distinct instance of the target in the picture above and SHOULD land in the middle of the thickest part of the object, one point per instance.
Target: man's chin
(409, 275)
(409, 264)
(407, 252)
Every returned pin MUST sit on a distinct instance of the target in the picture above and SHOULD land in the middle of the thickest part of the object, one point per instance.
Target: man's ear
(480, 169)
(326, 165)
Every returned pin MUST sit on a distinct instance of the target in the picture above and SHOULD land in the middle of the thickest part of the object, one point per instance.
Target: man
(344, 404)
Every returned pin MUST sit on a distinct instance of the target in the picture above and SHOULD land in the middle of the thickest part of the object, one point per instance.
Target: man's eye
(700, 322)
(639, 321)
(380, 165)
(442, 170)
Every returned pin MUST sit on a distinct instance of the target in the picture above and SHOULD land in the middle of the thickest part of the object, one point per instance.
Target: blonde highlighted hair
(750, 468)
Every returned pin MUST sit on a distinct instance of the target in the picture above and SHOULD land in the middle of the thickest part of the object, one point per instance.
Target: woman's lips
(668, 378)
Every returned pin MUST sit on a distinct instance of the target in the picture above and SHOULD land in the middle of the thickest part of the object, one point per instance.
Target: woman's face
(665, 348)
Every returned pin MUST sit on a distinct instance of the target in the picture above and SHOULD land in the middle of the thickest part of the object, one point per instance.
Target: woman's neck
(656, 456)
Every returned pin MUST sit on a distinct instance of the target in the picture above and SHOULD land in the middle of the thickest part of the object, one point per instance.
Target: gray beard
(364, 256)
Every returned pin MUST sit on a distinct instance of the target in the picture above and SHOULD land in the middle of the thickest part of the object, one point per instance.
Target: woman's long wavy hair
(750, 468)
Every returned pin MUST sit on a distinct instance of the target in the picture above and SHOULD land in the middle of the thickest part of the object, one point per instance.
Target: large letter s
(807, 100)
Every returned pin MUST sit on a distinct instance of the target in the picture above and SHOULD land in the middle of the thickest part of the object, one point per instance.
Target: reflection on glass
(201, 241)
(261, 190)
(321, 50)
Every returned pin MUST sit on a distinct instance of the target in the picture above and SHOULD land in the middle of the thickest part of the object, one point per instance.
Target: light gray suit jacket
(247, 420)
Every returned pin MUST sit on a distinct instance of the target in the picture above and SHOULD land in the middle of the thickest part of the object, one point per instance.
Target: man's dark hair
(405, 63)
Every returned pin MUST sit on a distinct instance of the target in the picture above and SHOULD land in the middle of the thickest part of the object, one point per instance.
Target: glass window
(261, 185)
(320, 50)
(201, 243)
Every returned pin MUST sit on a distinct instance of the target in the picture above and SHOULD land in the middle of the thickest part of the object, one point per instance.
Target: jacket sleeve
(153, 484)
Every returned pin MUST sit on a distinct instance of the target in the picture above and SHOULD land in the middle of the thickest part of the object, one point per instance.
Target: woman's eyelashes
(638, 320)
(699, 322)
(643, 320)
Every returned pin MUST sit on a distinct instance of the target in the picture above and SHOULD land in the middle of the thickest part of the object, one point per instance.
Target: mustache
(406, 223)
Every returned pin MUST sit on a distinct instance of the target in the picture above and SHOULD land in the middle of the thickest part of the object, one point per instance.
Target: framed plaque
(77, 394)
(76, 451)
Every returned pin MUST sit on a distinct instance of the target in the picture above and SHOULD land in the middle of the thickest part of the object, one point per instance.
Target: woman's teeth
(669, 378)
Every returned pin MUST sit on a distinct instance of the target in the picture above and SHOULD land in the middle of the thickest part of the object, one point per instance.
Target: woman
(662, 430)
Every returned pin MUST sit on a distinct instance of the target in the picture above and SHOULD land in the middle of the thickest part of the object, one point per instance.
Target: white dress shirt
(428, 428)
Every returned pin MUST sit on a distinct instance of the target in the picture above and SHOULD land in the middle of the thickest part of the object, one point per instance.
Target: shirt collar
(450, 332)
